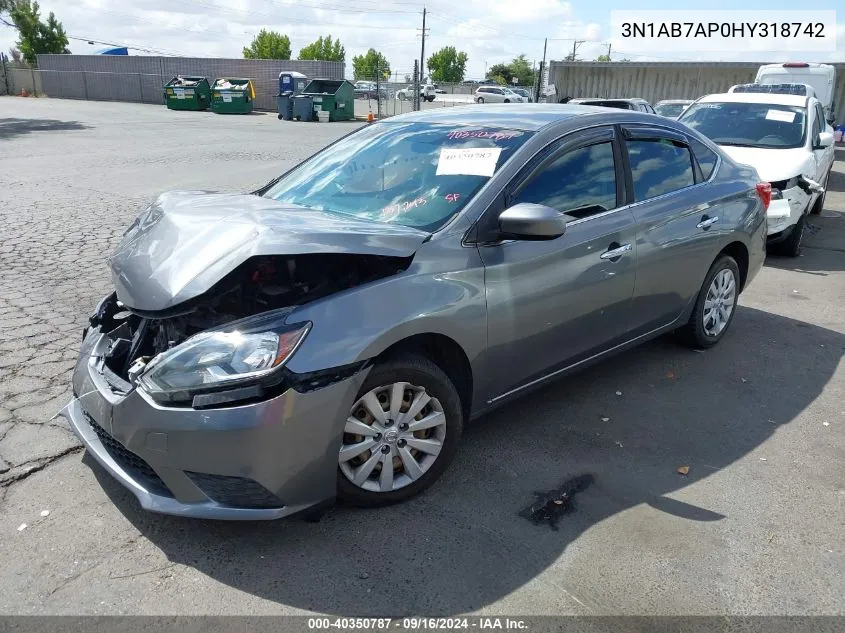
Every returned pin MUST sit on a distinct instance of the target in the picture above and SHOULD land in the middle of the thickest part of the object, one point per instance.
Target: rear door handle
(706, 222)
(619, 251)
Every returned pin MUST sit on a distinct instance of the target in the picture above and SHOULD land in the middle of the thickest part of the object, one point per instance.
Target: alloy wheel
(719, 302)
(392, 436)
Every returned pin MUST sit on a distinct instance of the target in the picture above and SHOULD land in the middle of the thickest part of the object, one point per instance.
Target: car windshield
(673, 110)
(760, 125)
(414, 174)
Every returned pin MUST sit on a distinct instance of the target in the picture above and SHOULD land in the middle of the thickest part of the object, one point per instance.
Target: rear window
(705, 156)
(659, 166)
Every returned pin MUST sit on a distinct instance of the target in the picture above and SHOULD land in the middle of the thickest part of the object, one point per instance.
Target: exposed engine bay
(258, 285)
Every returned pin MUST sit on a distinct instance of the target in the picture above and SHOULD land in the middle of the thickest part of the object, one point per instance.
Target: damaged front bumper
(783, 213)
(262, 460)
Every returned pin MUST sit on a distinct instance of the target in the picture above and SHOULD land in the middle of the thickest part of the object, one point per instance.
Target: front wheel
(507, 100)
(714, 309)
(401, 433)
(818, 207)
(791, 246)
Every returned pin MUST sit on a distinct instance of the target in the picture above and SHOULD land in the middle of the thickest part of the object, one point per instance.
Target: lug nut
(385, 449)
(403, 426)
(388, 422)
(401, 443)
(377, 437)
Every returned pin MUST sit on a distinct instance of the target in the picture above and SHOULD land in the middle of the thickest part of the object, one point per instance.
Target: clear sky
(490, 31)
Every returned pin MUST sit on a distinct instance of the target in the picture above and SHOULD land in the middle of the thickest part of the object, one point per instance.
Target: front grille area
(129, 461)
(237, 492)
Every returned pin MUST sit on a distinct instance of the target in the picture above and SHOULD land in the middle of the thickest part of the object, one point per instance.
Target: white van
(821, 77)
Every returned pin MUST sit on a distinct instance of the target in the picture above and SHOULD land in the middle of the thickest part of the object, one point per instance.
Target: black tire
(480, 100)
(818, 207)
(419, 371)
(281, 116)
(693, 334)
(507, 100)
(791, 246)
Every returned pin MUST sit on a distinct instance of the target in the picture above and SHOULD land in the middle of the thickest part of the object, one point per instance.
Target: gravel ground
(754, 528)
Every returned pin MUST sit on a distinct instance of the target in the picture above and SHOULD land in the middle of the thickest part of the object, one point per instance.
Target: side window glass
(659, 166)
(706, 158)
(580, 183)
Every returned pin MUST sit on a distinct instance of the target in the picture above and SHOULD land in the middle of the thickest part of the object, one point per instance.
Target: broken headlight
(218, 359)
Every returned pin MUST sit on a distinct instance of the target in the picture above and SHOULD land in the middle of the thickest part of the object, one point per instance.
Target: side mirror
(825, 140)
(527, 221)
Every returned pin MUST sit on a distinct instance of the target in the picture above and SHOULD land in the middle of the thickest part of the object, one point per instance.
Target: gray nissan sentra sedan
(330, 334)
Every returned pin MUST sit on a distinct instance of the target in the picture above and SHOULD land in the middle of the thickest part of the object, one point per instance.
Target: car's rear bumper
(262, 460)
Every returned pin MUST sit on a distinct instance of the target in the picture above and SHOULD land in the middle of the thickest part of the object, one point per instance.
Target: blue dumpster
(291, 83)
(303, 108)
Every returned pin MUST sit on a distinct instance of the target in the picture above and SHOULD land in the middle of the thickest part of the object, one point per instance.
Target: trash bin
(303, 108)
(232, 96)
(335, 96)
(187, 93)
(291, 83)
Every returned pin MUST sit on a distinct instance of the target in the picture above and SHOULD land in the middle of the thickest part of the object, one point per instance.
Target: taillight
(764, 190)
(796, 65)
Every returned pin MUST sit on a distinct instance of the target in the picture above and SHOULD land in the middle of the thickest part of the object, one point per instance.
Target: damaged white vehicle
(786, 139)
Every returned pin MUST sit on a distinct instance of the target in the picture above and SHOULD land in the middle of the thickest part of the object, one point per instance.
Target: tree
(35, 36)
(500, 73)
(447, 65)
(603, 58)
(521, 69)
(268, 45)
(324, 49)
(364, 66)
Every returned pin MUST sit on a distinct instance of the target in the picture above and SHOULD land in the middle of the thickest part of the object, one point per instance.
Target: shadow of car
(463, 545)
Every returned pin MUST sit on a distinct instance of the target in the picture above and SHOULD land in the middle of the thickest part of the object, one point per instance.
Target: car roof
(528, 117)
(756, 97)
(664, 101)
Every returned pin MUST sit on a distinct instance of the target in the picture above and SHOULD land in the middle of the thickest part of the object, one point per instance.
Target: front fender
(442, 292)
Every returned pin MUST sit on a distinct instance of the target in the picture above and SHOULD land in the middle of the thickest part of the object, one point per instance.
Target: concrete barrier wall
(140, 79)
(655, 81)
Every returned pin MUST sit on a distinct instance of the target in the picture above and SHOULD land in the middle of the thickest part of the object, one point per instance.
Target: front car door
(678, 231)
(823, 155)
(553, 303)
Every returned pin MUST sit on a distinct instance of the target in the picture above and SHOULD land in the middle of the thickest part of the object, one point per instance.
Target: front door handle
(619, 251)
(706, 222)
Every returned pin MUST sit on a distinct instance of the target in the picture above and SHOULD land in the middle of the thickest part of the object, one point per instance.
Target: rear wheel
(401, 434)
(507, 100)
(480, 100)
(715, 306)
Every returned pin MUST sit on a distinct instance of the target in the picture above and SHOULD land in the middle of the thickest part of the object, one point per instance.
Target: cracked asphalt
(754, 528)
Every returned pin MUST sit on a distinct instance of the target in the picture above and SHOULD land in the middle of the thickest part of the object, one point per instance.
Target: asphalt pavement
(755, 527)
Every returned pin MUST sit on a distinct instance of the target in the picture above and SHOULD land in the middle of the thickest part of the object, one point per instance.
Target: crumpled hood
(186, 241)
(773, 164)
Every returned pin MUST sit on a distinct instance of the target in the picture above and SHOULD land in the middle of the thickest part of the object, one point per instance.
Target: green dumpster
(232, 96)
(335, 96)
(187, 93)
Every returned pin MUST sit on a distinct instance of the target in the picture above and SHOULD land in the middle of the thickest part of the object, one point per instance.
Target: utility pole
(422, 50)
(540, 76)
(575, 45)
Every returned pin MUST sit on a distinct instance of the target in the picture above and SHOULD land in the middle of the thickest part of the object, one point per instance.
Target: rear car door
(552, 303)
(678, 231)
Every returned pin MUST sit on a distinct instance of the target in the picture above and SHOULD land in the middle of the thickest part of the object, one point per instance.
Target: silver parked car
(497, 94)
(672, 108)
(331, 333)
